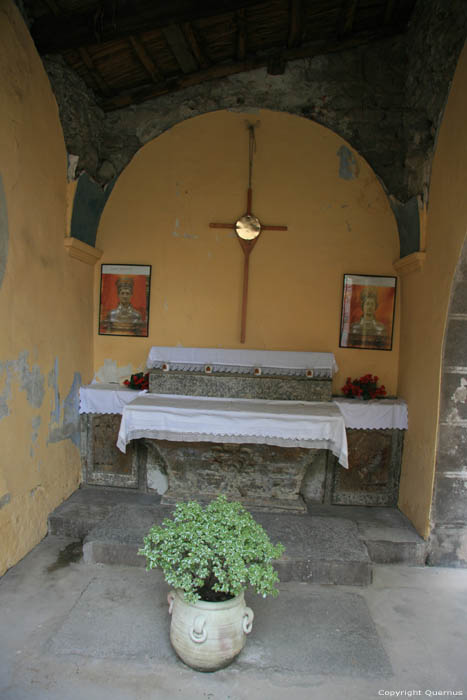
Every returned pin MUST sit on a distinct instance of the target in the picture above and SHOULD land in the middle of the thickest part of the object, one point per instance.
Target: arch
(306, 177)
(448, 544)
(432, 332)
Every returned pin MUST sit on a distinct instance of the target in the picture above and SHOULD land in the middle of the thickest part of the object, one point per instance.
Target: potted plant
(209, 555)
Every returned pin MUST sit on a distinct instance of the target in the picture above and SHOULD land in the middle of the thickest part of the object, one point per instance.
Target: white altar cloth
(376, 414)
(310, 424)
(231, 360)
(105, 398)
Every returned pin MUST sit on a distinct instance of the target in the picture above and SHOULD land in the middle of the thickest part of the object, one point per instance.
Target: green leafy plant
(213, 553)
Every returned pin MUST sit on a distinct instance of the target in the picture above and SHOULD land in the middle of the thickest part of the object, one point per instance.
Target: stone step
(331, 544)
(389, 536)
(317, 550)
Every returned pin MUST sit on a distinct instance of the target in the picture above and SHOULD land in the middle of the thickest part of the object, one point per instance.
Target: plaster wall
(306, 177)
(425, 298)
(45, 302)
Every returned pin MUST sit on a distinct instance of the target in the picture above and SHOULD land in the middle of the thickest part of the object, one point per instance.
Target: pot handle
(198, 632)
(248, 617)
(171, 600)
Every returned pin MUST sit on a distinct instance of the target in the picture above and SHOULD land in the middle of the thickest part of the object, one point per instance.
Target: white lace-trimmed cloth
(243, 361)
(105, 398)
(207, 419)
(376, 414)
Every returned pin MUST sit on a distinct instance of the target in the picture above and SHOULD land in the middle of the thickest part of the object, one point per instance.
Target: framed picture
(124, 300)
(367, 318)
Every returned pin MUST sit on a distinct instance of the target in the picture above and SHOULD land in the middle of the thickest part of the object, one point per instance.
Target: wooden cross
(248, 229)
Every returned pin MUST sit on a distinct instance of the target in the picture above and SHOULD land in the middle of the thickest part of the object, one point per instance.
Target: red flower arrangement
(366, 388)
(138, 381)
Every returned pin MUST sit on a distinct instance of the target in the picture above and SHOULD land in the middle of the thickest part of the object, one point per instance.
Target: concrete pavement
(70, 630)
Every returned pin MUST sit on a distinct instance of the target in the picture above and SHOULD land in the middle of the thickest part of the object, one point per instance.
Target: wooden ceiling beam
(180, 48)
(53, 7)
(194, 45)
(224, 70)
(295, 23)
(56, 34)
(240, 17)
(347, 17)
(388, 11)
(146, 60)
(94, 72)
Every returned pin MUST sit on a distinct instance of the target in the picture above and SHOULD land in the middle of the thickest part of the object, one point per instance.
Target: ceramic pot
(208, 636)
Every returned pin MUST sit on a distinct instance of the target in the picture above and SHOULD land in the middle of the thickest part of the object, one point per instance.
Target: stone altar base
(262, 477)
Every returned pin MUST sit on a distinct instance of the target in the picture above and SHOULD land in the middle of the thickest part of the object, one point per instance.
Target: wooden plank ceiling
(129, 51)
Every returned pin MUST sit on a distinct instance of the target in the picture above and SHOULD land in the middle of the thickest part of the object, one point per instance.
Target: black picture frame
(124, 300)
(367, 312)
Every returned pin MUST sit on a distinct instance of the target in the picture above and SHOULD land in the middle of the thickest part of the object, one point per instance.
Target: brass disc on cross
(248, 227)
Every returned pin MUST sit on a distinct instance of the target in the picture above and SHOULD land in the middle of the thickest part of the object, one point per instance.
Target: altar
(268, 448)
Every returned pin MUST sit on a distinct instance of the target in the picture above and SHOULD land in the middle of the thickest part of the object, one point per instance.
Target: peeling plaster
(111, 373)
(71, 411)
(66, 427)
(4, 500)
(6, 393)
(32, 382)
(53, 382)
(4, 234)
(37, 488)
(459, 396)
(36, 421)
(348, 165)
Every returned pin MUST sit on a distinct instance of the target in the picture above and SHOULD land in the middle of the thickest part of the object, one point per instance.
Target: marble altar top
(320, 364)
(360, 415)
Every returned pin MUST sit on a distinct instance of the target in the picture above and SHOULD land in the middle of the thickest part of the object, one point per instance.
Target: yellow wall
(424, 304)
(45, 302)
(197, 172)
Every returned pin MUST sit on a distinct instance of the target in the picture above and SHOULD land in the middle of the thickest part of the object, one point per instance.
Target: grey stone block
(331, 633)
(320, 550)
(456, 345)
(385, 552)
(452, 448)
(448, 547)
(450, 500)
(323, 632)
(277, 388)
(118, 617)
(454, 396)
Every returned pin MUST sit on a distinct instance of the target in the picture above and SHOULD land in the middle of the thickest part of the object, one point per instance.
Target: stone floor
(74, 631)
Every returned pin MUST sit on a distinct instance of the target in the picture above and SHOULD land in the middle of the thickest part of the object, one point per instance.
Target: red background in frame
(109, 294)
(384, 312)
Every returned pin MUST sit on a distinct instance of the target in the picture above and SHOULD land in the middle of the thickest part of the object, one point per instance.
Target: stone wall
(448, 544)
(435, 39)
(357, 93)
(386, 99)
